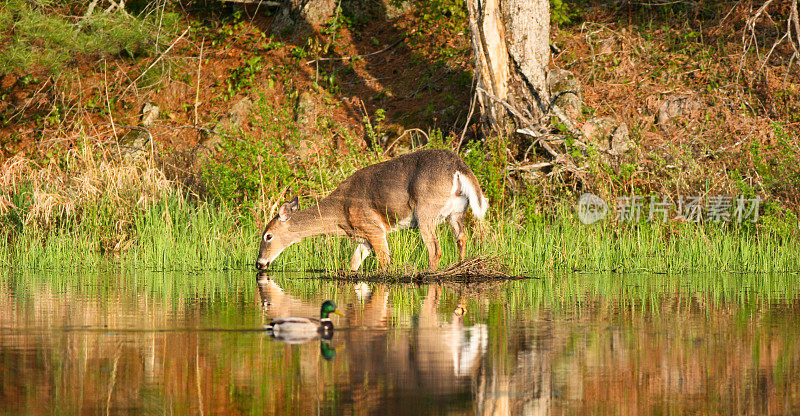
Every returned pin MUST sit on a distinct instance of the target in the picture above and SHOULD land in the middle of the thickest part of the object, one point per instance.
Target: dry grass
(41, 195)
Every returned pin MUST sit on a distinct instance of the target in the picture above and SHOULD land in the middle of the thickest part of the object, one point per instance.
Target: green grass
(174, 234)
(44, 37)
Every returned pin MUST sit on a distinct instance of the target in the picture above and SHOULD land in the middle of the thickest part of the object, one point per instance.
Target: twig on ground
(260, 2)
(108, 101)
(531, 166)
(345, 58)
(89, 10)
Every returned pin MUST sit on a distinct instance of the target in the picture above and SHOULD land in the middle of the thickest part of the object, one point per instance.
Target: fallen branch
(558, 157)
(170, 128)
(531, 166)
(89, 10)
(531, 128)
(386, 152)
(346, 58)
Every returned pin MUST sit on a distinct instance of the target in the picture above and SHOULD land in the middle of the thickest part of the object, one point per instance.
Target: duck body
(298, 330)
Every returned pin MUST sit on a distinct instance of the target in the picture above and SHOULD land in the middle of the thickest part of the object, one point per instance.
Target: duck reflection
(326, 351)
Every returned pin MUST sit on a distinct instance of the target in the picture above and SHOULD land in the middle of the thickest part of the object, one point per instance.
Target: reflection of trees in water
(76, 353)
(688, 360)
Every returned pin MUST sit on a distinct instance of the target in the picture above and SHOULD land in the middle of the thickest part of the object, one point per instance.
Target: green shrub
(488, 161)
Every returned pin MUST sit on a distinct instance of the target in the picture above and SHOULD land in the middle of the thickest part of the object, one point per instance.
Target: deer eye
(267, 237)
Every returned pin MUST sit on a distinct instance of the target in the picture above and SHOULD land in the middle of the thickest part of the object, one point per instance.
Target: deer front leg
(428, 231)
(381, 247)
(457, 223)
(359, 255)
(369, 225)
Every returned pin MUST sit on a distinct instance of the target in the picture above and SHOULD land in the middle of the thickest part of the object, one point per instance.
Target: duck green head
(328, 307)
(326, 351)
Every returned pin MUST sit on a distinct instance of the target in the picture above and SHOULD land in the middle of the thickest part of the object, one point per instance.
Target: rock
(135, 141)
(394, 9)
(620, 140)
(306, 111)
(306, 148)
(676, 105)
(563, 85)
(149, 114)
(236, 116)
(382, 10)
(234, 119)
(598, 130)
(318, 12)
(608, 135)
(303, 16)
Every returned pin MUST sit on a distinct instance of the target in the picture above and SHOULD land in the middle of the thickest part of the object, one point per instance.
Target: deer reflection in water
(133, 351)
(439, 355)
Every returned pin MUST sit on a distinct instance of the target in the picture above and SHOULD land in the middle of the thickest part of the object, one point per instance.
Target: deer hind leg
(359, 255)
(428, 231)
(457, 223)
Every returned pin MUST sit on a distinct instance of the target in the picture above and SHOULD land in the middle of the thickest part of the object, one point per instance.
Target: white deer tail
(470, 189)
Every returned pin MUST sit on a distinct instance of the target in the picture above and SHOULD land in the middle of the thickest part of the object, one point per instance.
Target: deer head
(277, 235)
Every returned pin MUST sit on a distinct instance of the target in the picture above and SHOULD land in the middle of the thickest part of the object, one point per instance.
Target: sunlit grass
(173, 234)
(131, 216)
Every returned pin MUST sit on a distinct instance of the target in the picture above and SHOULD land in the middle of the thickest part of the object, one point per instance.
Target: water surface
(168, 343)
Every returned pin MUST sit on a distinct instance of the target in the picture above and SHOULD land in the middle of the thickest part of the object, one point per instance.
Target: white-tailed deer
(419, 189)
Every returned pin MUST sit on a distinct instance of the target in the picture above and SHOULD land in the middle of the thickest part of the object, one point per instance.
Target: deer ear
(287, 209)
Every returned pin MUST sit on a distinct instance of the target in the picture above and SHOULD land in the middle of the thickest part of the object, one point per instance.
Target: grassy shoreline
(174, 234)
(87, 211)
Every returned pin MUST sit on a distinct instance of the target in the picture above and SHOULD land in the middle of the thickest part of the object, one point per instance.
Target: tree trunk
(510, 39)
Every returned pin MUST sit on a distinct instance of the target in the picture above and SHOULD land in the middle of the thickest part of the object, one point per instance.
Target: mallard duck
(298, 330)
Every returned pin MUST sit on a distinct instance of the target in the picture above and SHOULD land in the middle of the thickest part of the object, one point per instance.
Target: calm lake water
(169, 343)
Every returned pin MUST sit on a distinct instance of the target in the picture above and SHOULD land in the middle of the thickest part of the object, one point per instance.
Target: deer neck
(313, 221)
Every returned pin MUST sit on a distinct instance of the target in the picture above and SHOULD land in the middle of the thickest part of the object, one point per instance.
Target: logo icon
(591, 208)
